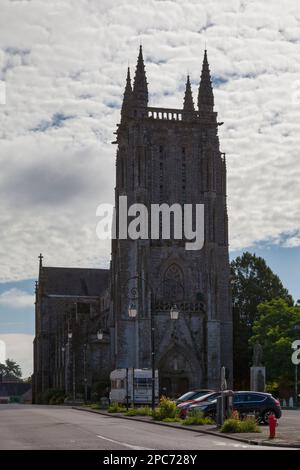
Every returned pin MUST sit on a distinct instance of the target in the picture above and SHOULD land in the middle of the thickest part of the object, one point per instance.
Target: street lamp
(100, 335)
(174, 312)
(132, 312)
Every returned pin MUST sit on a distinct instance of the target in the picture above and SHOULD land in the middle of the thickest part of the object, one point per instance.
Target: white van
(122, 380)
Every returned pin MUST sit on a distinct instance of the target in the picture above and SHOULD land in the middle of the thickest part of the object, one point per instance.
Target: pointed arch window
(173, 284)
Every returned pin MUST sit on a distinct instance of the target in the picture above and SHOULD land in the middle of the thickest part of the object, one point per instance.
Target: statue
(257, 354)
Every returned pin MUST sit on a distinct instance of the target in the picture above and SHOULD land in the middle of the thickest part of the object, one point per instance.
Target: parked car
(192, 395)
(185, 406)
(262, 405)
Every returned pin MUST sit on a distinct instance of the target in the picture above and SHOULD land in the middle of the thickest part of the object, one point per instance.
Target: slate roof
(13, 389)
(74, 281)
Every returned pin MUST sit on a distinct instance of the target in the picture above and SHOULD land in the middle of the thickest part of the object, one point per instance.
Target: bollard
(272, 426)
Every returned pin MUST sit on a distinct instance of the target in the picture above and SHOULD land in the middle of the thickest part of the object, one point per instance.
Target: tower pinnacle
(205, 93)
(127, 97)
(188, 103)
(140, 86)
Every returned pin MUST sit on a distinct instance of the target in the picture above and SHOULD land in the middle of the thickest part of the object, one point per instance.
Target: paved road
(49, 427)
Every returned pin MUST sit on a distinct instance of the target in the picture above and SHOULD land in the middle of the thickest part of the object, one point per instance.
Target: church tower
(172, 156)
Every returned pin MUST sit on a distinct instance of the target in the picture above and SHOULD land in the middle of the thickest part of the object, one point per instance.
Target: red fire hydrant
(272, 426)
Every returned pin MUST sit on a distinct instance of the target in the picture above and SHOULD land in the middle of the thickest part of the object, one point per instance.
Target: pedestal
(257, 378)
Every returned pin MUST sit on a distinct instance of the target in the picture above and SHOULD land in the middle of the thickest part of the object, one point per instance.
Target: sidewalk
(287, 433)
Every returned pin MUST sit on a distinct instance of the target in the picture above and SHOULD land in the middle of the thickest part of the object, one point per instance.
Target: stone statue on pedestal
(257, 371)
(257, 357)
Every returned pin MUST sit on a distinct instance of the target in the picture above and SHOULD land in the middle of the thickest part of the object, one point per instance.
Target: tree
(276, 329)
(10, 369)
(253, 282)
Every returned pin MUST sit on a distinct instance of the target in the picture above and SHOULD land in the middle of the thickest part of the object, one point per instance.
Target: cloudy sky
(62, 72)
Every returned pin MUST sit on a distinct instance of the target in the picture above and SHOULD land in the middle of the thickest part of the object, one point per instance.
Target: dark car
(185, 406)
(192, 395)
(262, 405)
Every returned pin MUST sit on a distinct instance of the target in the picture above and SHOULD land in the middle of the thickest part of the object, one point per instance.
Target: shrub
(116, 408)
(59, 400)
(53, 397)
(172, 420)
(142, 411)
(236, 425)
(230, 425)
(166, 409)
(196, 417)
(131, 412)
(249, 425)
(95, 406)
(15, 399)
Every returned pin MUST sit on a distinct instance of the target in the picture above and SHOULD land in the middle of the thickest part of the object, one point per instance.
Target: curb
(186, 428)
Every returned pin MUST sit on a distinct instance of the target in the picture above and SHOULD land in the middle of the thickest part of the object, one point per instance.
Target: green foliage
(116, 408)
(100, 388)
(172, 420)
(143, 411)
(95, 406)
(249, 425)
(52, 397)
(253, 282)
(15, 399)
(275, 330)
(273, 388)
(197, 417)
(232, 425)
(10, 369)
(166, 409)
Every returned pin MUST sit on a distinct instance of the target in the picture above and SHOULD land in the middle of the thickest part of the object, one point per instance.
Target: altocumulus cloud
(64, 65)
(16, 298)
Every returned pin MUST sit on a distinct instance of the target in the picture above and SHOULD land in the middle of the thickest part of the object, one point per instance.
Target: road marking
(231, 444)
(124, 444)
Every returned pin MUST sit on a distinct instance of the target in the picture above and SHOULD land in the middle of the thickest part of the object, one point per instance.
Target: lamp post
(84, 372)
(70, 336)
(63, 350)
(133, 312)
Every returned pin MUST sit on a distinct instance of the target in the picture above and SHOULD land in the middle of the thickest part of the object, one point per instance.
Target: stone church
(164, 156)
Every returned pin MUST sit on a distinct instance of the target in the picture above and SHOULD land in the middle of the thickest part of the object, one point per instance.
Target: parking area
(288, 429)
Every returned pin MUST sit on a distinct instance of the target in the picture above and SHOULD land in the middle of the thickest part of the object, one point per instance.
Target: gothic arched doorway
(175, 374)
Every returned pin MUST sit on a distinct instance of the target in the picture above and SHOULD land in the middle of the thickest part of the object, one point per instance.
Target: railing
(167, 114)
(187, 307)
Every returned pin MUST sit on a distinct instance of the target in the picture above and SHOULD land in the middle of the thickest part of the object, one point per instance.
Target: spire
(140, 86)
(188, 103)
(127, 97)
(205, 93)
